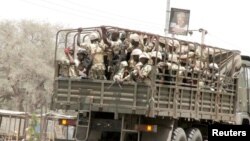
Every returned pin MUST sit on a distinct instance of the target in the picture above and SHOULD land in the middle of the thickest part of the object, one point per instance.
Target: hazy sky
(225, 20)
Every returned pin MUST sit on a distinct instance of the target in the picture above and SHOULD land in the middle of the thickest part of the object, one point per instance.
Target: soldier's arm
(69, 56)
(103, 46)
(79, 36)
(145, 73)
(126, 78)
(140, 74)
(104, 36)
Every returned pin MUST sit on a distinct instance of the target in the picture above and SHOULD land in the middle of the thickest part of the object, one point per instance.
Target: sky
(226, 21)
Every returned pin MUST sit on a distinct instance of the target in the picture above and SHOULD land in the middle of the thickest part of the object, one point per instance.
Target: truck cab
(243, 105)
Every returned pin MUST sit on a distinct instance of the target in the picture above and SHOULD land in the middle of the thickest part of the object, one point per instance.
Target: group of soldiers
(118, 55)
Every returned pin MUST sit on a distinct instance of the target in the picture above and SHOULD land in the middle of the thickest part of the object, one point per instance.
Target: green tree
(31, 133)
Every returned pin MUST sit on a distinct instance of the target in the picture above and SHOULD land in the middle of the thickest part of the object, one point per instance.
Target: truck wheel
(194, 134)
(179, 135)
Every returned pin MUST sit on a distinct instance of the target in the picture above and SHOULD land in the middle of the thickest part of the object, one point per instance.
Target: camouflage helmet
(191, 47)
(144, 55)
(156, 54)
(136, 52)
(122, 34)
(170, 42)
(145, 36)
(94, 36)
(124, 63)
(135, 37)
(81, 50)
(173, 43)
(176, 43)
(162, 40)
(213, 66)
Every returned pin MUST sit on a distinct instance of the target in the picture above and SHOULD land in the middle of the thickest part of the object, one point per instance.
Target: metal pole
(203, 33)
(41, 123)
(67, 135)
(203, 37)
(167, 17)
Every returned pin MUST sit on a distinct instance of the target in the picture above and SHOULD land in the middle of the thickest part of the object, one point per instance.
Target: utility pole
(203, 33)
(167, 17)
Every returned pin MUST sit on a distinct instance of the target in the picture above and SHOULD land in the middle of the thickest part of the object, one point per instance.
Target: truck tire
(179, 135)
(194, 134)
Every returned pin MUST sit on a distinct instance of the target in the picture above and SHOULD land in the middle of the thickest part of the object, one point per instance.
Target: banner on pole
(179, 21)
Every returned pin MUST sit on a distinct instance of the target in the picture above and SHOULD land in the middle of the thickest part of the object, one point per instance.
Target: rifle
(115, 81)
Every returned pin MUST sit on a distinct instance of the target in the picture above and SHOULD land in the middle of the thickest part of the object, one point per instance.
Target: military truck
(174, 107)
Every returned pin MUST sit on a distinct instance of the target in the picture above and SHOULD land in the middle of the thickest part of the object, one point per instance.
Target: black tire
(194, 134)
(179, 135)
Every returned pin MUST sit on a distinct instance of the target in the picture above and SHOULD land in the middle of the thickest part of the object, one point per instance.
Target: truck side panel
(135, 98)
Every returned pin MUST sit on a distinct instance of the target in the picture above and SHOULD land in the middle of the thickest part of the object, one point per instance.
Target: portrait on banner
(179, 21)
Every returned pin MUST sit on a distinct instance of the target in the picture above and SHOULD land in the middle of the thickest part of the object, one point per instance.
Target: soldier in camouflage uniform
(96, 50)
(124, 45)
(114, 55)
(135, 43)
(121, 73)
(134, 58)
(144, 72)
(161, 46)
(156, 57)
(141, 70)
(83, 63)
(149, 47)
(173, 65)
(68, 64)
(144, 41)
(134, 65)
